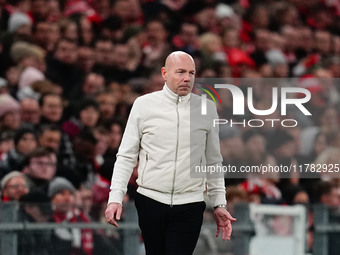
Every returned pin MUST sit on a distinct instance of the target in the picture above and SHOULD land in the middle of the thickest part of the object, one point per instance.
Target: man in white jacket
(170, 203)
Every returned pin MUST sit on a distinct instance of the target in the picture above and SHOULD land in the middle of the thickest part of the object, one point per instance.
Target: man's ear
(164, 73)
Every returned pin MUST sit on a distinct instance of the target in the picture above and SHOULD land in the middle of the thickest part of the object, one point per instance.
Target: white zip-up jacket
(158, 133)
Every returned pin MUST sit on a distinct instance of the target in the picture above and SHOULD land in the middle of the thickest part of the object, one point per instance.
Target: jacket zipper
(177, 141)
(146, 162)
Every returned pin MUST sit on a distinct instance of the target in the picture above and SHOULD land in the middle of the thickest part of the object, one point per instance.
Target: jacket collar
(173, 97)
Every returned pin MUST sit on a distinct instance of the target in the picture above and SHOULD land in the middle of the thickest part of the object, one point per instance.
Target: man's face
(89, 116)
(63, 201)
(323, 41)
(156, 32)
(12, 119)
(86, 30)
(256, 144)
(107, 105)
(66, 52)
(85, 58)
(50, 139)
(30, 111)
(15, 188)
(93, 84)
(24, 31)
(26, 144)
(189, 33)
(103, 141)
(262, 40)
(331, 199)
(286, 150)
(103, 52)
(179, 74)
(120, 56)
(39, 9)
(42, 168)
(41, 34)
(52, 108)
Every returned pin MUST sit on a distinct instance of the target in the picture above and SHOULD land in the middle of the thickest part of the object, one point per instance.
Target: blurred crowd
(70, 71)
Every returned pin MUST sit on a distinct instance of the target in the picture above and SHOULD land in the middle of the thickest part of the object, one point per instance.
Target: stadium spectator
(232, 148)
(327, 193)
(112, 28)
(322, 42)
(116, 133)
(102, 7)
(62, 194)
(40, 33)
(13, 186)
(86, 59)
(61, 67)
(30, 111)
(87, 116)
(54, 10)
(84, 29)
(39, 9)
(103, 49)
(328, 119)
(51, 107)
(122, 69)
(187, 39)
(93, 84)
(79, 166)
(102, 134)
(156, 47)
(107, 105)
(25, 141)
(49, 136)
(9, 112)
(6, 142)
(29, 58)
(36, 207)
(202, 14)
(211, 49)
(68, 29)
(313, 143)
(84, 200)
(19, 24)
(53, 36)
(155, 82)
(39, 167)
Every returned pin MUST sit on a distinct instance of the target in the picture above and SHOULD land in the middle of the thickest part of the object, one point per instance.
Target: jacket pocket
(143, 171)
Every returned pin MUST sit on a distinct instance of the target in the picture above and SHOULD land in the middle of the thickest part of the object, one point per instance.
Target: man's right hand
(113, 213)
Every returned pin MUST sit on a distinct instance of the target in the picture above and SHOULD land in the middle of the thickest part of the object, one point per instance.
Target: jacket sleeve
(127, 155)
(215, 181)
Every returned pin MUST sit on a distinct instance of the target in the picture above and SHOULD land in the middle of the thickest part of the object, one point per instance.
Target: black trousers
(169, 230)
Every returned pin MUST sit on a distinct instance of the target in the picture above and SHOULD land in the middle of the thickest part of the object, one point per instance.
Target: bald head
(177, 56)
(179, 72)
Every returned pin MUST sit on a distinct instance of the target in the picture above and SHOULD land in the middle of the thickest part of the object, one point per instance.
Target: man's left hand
(223, 221)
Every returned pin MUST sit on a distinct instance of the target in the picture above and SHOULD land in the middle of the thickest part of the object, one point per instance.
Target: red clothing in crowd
(86, 235)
